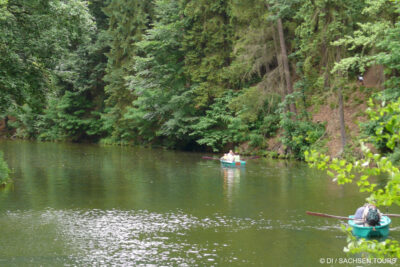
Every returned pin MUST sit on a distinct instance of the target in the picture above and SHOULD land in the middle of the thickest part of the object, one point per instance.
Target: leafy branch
(363, 170)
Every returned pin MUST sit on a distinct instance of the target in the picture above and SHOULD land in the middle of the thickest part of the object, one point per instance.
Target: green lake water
(87, 205)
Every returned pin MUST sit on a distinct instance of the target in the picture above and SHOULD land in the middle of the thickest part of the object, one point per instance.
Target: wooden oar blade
(341, 217)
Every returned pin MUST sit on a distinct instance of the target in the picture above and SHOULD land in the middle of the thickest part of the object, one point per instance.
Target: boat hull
(233, 164)
(368, 231)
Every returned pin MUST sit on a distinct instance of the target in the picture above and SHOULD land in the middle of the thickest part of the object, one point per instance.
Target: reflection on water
(84, 205)
(231, 180)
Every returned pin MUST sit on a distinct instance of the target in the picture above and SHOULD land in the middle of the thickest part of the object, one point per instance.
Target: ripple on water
(140, 237)
(137, 237)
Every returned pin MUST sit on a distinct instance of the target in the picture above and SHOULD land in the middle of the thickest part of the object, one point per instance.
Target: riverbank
(324, 111)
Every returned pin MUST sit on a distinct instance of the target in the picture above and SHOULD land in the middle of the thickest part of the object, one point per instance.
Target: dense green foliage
(162, 108)
(47, 67)
(363, 170)
(299, 134)
(203, 74)
(73, 109)
(184, 74)
(128, 20)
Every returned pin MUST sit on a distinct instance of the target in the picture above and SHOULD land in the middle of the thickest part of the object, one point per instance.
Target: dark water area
(87, 205)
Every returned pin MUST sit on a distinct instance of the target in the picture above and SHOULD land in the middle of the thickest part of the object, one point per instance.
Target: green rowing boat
(224, 163)
(368, 231)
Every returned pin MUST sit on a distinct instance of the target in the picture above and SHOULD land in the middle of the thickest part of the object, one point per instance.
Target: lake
(88, 205)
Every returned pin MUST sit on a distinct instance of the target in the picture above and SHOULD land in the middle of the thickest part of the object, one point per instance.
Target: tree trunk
(341, 110)
(285, 62)
(6, 123)
(324, 63)
(280, 65)
(341, 119)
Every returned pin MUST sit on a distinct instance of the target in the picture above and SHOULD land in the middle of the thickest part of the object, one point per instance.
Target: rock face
(374, 77)
(355, 105)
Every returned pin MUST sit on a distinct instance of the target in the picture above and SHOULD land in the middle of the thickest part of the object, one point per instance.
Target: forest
(302, 79)
(199, 75)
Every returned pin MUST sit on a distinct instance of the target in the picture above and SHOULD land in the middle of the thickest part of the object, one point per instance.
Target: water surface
(86, 205)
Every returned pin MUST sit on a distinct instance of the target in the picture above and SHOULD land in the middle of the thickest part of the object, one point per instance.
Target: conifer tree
(207, 46)
(128, 20)
(255, 69)
(73, 113)
(163, 110)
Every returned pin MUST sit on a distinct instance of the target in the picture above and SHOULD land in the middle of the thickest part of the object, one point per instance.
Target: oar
(209, 158)
(392, 215)
(327, 215)
(253, 157)
(341, 217)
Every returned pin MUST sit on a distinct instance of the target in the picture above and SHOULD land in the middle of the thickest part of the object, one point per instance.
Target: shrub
(220, 125)
(270, 125)
(256, 140)
(299, 135)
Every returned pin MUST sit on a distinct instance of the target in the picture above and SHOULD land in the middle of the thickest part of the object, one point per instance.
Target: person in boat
(368, 214)
(231, 157)
(235, 157)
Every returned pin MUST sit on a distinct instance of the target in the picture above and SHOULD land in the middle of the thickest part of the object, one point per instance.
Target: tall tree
(128, 20)
(207, 46)
(285, 62)
(162, 111)
(280, 11)
(322, 23)
(35, 38)
(373, 42)
(73, 113)
(255, 58)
